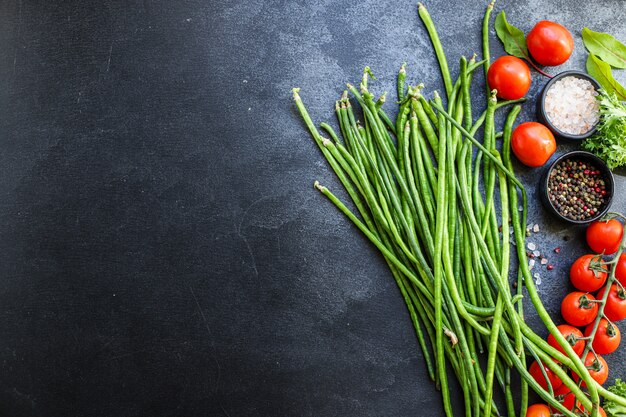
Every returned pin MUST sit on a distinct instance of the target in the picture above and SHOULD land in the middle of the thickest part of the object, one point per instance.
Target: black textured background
(162, 250)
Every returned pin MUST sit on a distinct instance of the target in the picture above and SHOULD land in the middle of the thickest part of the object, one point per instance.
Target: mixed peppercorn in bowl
(578, 187)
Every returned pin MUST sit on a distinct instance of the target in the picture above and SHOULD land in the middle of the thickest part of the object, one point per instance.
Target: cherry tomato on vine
(535, 372)
(565, 396)
(510, 76)
(615, 307)
(598, 369)
(579, 309)
(550, 43)
(588, 273)
(538, 410)
(533, 143)
(605, 236)
(620, 269)
(572, 335)
(607, 337)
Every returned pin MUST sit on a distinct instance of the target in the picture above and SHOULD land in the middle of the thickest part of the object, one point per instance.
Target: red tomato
(607, 337)
(578, 308)
(550, 43)
(598, 369)
(533, 143)
(588, 273)
(615, 307)
(605, 236)
(620, 269)
(510, 76)
(535, 372)
(563, 395)
(538, 410)
(572, 335)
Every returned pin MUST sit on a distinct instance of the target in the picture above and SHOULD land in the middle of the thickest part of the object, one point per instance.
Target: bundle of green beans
(425, 189)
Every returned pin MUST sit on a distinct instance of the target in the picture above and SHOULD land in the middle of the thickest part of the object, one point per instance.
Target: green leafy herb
(609, 143)
(601, 71)
(605, 47)
(512, 38)
(612, 408)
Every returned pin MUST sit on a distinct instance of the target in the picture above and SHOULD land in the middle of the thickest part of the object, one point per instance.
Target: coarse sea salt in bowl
(568, 105)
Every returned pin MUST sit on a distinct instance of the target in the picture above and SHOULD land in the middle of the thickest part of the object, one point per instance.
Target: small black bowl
(605, 172)
(541, 111)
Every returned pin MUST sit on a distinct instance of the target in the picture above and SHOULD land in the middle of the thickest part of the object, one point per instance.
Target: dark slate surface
(162, 250)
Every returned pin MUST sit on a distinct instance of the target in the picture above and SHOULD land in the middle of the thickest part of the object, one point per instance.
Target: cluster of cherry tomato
(549, 44)
(579, 308)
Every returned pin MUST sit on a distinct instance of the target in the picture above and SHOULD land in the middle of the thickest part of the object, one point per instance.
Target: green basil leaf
(601, 71)
(605, 47)
(512, 38)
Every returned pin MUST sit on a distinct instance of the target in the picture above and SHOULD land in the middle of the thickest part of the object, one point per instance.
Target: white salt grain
(571, 105)
(532, 246)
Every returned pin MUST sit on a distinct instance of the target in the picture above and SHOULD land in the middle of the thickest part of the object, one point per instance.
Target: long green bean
(486, 50)
(440, 223)
(441, 56)
(506, 156)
